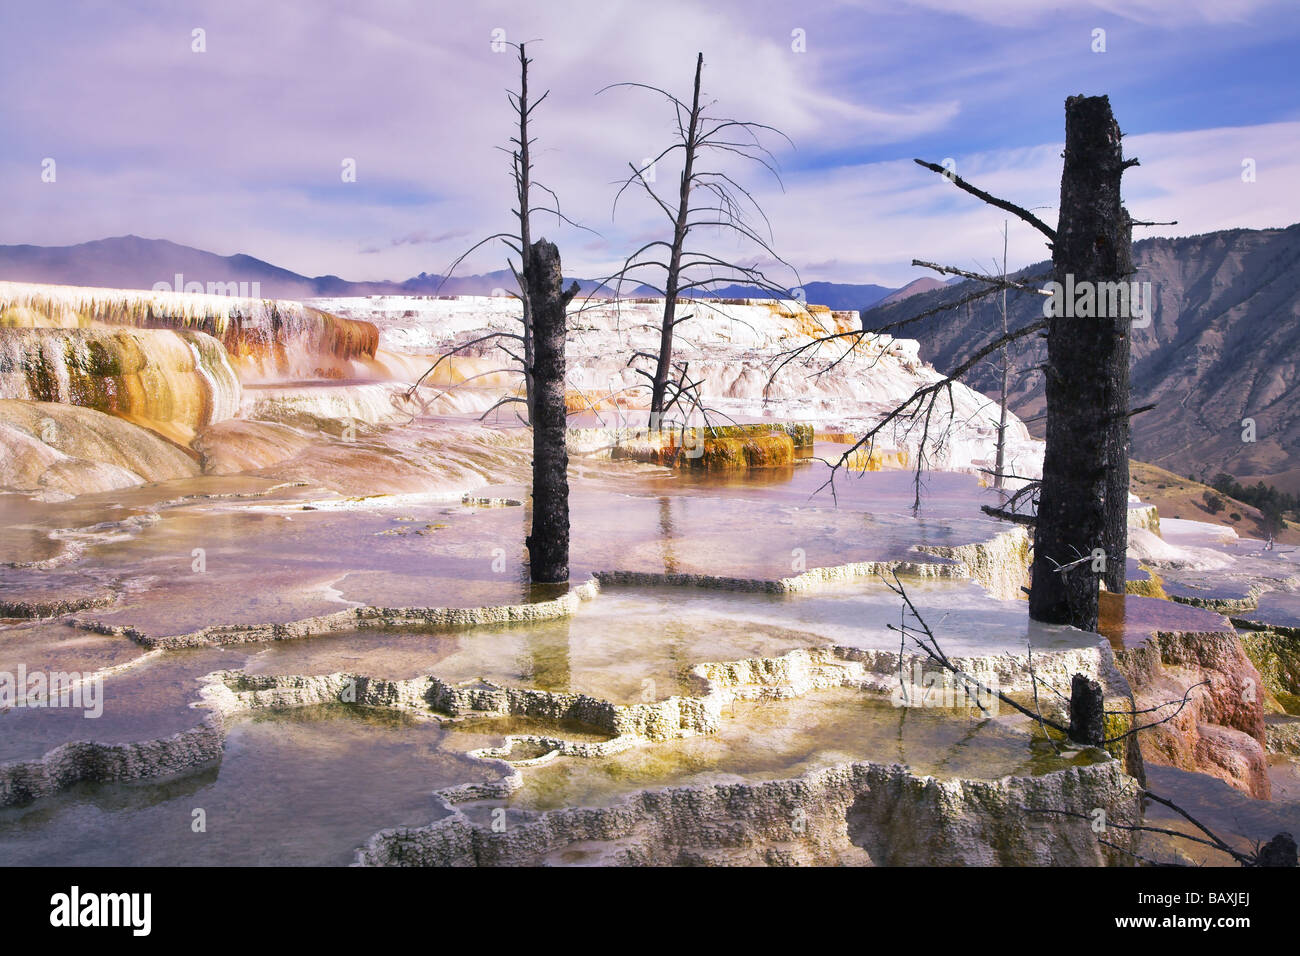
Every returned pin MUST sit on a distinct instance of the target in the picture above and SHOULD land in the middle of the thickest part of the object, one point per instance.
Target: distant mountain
(1224, 345)
(915, 287)
(130, 262)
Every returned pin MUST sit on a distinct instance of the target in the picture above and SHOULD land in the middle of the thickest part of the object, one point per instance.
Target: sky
(242, 147)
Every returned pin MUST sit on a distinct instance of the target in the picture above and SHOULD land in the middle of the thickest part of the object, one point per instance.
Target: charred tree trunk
(548, 542)
(1279, 851)
(1083, 502)
(523, 194)
(1087, 713)
(1118, 432)
(681, 227)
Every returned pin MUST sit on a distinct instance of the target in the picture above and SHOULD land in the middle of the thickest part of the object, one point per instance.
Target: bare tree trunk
(1087, 396)
(523, 188)
(673, 282)
(520, 242)
(548, 542)
(723, 204)
(999, 466)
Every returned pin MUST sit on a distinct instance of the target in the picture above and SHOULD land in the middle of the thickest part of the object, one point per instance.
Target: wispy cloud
(241, 148)
(420, 237)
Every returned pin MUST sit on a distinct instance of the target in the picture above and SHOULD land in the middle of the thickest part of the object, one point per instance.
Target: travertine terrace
(271, 555)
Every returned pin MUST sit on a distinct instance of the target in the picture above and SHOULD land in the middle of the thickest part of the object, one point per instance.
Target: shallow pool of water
(639, 644)
(144, 702)
(1276, 607)
(191, 555)
(303, 787)
(786, 738)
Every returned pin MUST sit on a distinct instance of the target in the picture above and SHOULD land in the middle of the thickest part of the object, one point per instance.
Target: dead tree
(538, 347)
(726, 205)
(522, 166)
(518, 346)
(1083, 504)
(1083, 495)
(548, 540)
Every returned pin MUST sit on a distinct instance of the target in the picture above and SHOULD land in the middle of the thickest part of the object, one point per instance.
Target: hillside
(1177, 497)
(1223, 346)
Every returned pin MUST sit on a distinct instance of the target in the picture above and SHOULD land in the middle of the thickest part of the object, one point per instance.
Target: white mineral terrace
(297, 598)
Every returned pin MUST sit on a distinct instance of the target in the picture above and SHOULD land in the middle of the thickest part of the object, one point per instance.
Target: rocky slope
(1223, 345)
(853, 814)
(172, 382)
(1178, 497)
(1220, 731)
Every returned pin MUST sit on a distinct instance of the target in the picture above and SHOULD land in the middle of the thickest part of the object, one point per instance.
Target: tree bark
(548, 542)
(1087, 713)
(1084, 497)
(1118, 435)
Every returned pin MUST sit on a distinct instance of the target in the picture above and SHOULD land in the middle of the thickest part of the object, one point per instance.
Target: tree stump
(1279, 851)
(1087, 715)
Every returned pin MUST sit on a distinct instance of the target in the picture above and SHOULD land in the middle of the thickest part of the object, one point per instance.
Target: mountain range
(131, 262)
(1223, 347)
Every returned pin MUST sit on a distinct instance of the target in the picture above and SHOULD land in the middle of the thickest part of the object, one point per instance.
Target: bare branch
(992, 200)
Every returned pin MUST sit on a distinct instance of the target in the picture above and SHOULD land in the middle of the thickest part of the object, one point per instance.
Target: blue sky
(239, 148)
